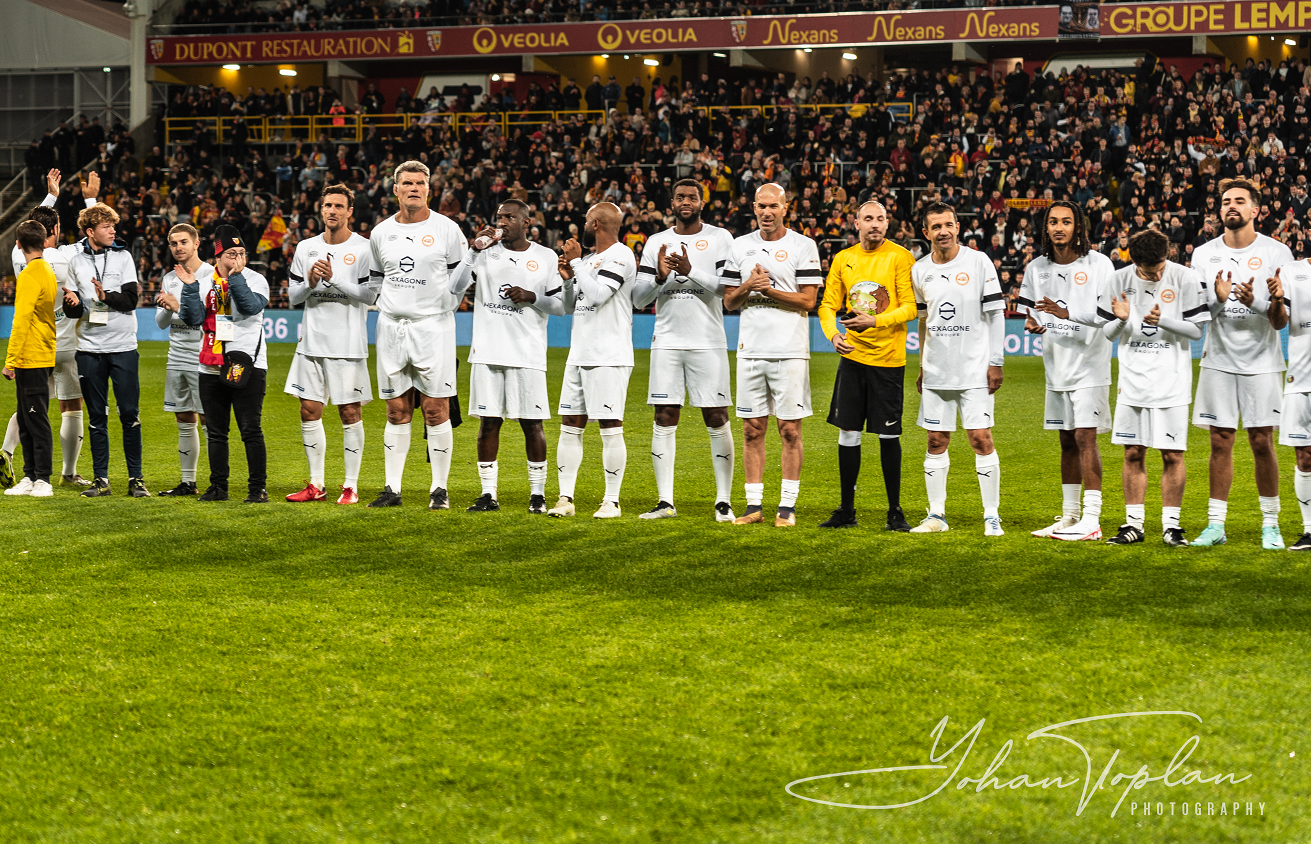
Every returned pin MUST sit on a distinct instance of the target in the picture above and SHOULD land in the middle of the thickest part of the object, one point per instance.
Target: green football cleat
(6, 469)
(1213, 535)
(1271, 538)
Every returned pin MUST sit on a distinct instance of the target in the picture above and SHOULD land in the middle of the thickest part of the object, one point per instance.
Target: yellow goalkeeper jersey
(858, 278)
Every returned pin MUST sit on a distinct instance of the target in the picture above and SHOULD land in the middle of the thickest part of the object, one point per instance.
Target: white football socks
(722, 455)
(11, 435)
(1302, 489)
(1070, 500)
(663, 446)
(568, 457)
(1269, 511)
(1170, 518)
(988, 468)
(788, 492)
(1216, 511)
(352, 443)
(395, 448)
(70, 442)
(1092, 504)
(487, 473)
(537, 478)
(614, 457)
(936, 467)
(315, 441)
(1135, 515)
(188, 447)
(755, 494)
(440, 441)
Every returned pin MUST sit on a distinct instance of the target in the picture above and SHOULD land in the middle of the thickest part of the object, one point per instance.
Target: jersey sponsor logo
(532, 266)
(1148, 330)
(349, 259)
(1080, 278)
(314, 254)
(505, 291)
(947, 311)
(406, 264)
(962, 279)
(703, 244)
(780, 256)
(1254, 263)
(427, 240)
(1167, 296)
(1044, 276)
(390, 238)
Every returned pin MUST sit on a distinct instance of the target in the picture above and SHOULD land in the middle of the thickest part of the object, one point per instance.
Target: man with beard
(870, 284)
(689, 355)
(518, 285)
(1243, 361)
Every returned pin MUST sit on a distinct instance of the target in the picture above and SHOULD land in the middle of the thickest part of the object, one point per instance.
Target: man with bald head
(869, 286)
(599, 291)
(773, 275)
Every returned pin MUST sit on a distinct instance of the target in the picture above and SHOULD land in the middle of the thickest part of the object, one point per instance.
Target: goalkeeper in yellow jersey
(868, 286)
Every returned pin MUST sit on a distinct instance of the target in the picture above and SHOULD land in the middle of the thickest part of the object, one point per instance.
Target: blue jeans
(96, 371)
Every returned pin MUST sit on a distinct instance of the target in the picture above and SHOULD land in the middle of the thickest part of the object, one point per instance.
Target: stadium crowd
(1142, 149)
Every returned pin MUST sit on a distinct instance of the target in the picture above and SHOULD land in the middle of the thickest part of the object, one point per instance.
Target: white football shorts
(1086, 407)
(65, 385)
(1222, 397)
(597, 392)
(182, 391)
(700, 373)
(938, 409)
(1164, 428)
(416, 353)
(508, 392)
(329, 380)
(1295, 421)
(778, 388)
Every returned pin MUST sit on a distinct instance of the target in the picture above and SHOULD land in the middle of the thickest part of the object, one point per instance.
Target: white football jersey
(183, 339)
(603, 336)
(689, 314)
(1156, 366)
(769, 330)
(1240, 339)
(506, 334)
(1296, 277)
(115, 268)
(1074, 355)
(57, 257)
(335, 324)
(952, 299)
(411, 266)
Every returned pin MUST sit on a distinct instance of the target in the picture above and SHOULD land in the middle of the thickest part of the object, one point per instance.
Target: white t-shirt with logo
(336, 320)
(506, 334)
(1156, 366)
(768, 329)
(1074, 356)
(1296, 278)
(952, 299)
(603, 335)
(1241, 339)
(183, 339)
(104, 330)
(411, 266)
(689, 311)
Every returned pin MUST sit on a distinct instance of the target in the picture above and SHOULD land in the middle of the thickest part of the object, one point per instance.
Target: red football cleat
(309, 493)
(348, 496)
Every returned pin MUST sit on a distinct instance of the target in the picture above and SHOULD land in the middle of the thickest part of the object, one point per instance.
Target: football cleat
(74, 480)
(897, 520)
(931, 524)
(723, 511)
(607, 510)
(23, 487)
(537, 504)
(309, 493)
(213, 494)
(1303, 543)
(1174, 537)
(563, 507)
(786, 517)
(1059, 525)
(840, 519)
(1081, 531)
(348, 496)
(1271, 538)
(386, 498)
(99, 489)
(485, 504)
(753, 516)
(6, 469)
(439, 500)
(663, 510)
(42, 489)
(257, 496)
(183, 488)
(1128, 535)
(136, 488)
(992, 526)
(1211, 536)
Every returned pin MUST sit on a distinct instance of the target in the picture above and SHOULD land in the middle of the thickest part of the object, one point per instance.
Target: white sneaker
(42, 489)
(992, 526)
(931, 524)
(23, 487)
(563, 507)
(1060, 524)
(1081, 531)
(608, 510)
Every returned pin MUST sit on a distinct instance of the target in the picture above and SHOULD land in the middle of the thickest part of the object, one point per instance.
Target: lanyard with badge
(225, 330)
(98, 313)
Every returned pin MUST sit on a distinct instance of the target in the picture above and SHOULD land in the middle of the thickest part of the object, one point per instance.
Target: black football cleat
(484, 504)
(439, 500)
(184, 488)
(897, 520)
(1128, 535)
(1174, 537)
(840, 519)
(387, 498)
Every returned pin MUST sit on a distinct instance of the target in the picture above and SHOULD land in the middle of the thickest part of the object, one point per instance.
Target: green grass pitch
(173, 671)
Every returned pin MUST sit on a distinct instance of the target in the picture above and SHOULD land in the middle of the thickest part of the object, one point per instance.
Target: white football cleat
(1060, 524)
(992, 526)
(1084, 530)
(931, 524)
(608, 510)
(563, 507)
